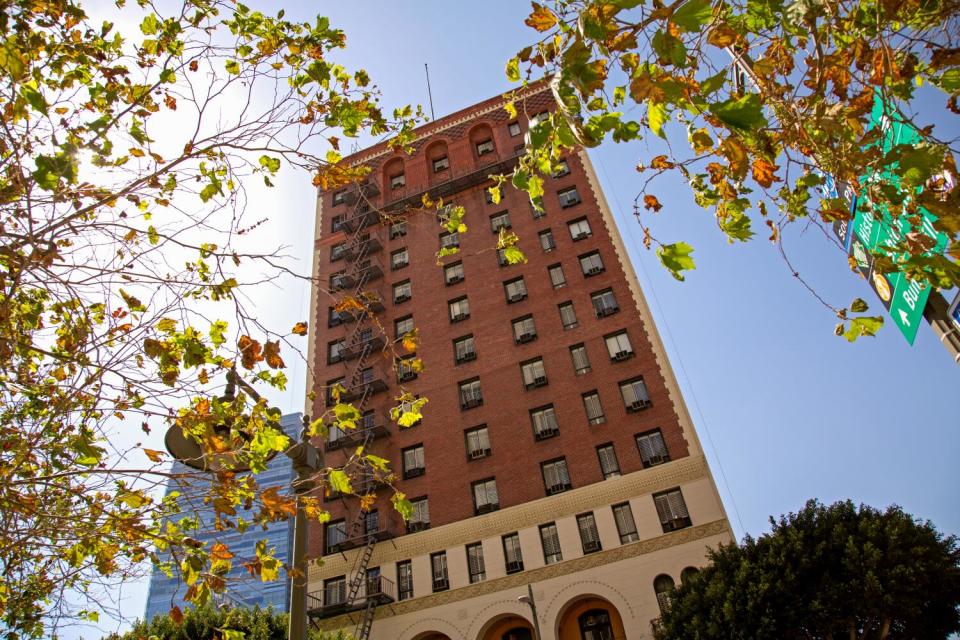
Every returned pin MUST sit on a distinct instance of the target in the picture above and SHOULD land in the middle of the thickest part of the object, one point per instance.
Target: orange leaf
(271, 351)
(176, 615)
(220, 551)
(250, 352)
(722, 35)
(300, 329)
(651, 202)
(763, 172)
(277, 505)
(154, 455)
(542, 19)
(661, 162)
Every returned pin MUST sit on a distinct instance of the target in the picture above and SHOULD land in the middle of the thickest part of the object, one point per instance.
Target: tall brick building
(555, 451)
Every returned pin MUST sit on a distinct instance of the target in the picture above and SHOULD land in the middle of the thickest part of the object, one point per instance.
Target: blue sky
(785, 410)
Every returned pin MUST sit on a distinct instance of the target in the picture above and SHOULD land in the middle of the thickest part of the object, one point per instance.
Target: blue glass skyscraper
(244, 590)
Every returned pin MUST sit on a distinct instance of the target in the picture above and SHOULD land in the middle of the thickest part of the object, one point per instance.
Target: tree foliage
(836, 571)
(757, 150)
(213, 623)
(127, 157)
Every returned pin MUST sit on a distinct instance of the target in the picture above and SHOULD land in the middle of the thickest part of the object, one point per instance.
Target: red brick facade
(516, 455)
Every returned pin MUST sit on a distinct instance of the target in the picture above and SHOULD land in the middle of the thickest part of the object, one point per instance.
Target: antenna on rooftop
(429, 93)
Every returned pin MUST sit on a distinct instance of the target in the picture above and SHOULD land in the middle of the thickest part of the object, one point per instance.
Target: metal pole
(429, 92)
(533, 610)
(297, 629)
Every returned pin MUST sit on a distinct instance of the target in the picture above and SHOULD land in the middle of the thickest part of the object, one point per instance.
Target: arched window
(394, 176)
(663, 586)
(481, 139)
(439, 161)
(595, 625)
(517, 633)
(688, 573)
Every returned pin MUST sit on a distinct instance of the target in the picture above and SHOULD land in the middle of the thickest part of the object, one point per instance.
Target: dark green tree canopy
(825, 572)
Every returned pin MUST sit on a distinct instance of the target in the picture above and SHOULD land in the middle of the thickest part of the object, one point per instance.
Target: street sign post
(878, 232)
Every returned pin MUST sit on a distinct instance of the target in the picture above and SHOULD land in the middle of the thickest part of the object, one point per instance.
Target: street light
(530, 602)
(306, 460)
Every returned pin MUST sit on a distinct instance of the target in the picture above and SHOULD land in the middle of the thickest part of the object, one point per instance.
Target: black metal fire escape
(363, 379)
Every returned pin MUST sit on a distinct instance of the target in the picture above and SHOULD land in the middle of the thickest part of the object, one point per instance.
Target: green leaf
(339, 481)
(270, 164)
(863, 326)
(514, 255)
(232, 634)
(150, 25)
(657, 115)
(152, 235)
(676, 258)
(377, 462)
(858, 305)
(744, 113)
(692, 15)
(232, 66)
(346, 416)
(669, 49)
(513, 70)
(402, 506)
(33, 97)
(948, 81)
(268, 441)
(737, 227)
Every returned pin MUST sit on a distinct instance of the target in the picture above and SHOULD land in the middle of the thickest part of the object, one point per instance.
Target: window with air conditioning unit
(544, 422)
(420, 516)
(534, 374)
(339, 197)
(556, 478)
(512, 555)
(524, 330)
(568, 316)
(593, 408)
(453, 273)
(591, 264)
(550, 541)
(464, 349)
(459, 309)
(470, 394)
(619, 347)
(653, 449)
(626, 527)
(413, 464)
(560, 169)
(609, 465)
(441, 164)
(589, 536)
(398, 181)
(635, 396)
(477, 442)
(485, 497)
(672, 510)
(547, 242)
(438, 566)
(402, 291)
(500, 221)
(579, 229)
(398, 229)
(484, 147)
(515, 290)
(580, 360)
(568, 197)
(604, 303)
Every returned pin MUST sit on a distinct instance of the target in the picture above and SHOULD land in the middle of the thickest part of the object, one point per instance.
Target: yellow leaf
(136, 153)
(542, 19)
(300, 329)
(154, 455)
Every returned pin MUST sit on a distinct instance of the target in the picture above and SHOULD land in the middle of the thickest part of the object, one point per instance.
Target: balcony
(354, 348)
(360, 219)
(332, 600)
(365, 247)
(375, 383)
(365, 273)
(457, 180)
(373, 431)
(369, 301)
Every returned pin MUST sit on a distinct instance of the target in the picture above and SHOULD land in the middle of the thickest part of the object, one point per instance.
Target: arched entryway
(508, 628)
(430, 635)
(590, 618)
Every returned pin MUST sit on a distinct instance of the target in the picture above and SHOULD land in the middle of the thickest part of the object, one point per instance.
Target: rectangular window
(579, 229)
(402, 326)
(336, 534)
(581, 363)
(547, 243)
(334, 591)
(339, 197)
(398, 181)
(398, 229)
(334, 350)
(544, 421)
(591, 264)
(539, 117)
(453, 273)
(589, 536)
(534, 374)
(331, 384)
(557, 279)
(441, 164)
(635, 395)
(406, 371)
(337, 251)
(371, 522)
(485, 498)
(618, 346)
(515, 290)
(653, 450)
(399, 259)
(591, 404)
(484, 147)
(438, 567)
(561, 169)
(459, 309)
(449, 240)
(556, 479)
(513, 129)
(488, 197)
(478, 442)
(550, 540)
(568, 197)
(336, 223)
(524, 330)
(537, 209)
(512, 556)
(470, 395)
(402, 291)
(626, 527)
(333, 317)
(499, 221)
(568, 317)
(604, 303)
(475, 562)
(404, 580)
(338, 280)
(464, 350)
(413, 464)
(609, 465)
(502, 258)
(672, 510)
(420, 518)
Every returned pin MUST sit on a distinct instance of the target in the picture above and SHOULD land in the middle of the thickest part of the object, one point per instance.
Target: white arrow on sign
(903, 317)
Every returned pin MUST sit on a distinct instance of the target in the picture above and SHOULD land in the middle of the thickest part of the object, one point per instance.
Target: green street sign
(904, 298)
